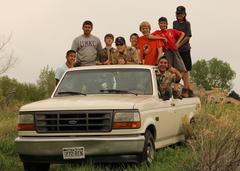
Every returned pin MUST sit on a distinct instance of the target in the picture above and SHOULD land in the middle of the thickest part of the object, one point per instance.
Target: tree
(7, 60)
(46, 81)
(7, 90)
(212, 74)
(199, 72)
(12, 92)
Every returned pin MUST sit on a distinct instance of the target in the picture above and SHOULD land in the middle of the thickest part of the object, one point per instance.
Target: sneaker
(184, 93)
(190, 93)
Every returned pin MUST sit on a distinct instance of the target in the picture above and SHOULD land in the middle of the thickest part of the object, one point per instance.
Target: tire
(36, 166)
(149, 151)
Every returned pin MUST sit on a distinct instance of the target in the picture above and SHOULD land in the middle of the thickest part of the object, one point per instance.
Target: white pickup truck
(100, 113)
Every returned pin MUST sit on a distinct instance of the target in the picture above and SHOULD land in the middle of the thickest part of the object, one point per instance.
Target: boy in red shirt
(173, 37)
(150, 50)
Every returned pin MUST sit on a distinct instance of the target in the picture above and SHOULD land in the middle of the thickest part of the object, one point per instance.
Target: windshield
(106, 81)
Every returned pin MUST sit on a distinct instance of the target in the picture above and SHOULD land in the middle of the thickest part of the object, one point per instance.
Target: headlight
(25, 122)
(126, 120)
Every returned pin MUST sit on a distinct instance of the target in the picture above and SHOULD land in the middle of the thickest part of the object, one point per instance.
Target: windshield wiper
(118, 91)
(71, 93)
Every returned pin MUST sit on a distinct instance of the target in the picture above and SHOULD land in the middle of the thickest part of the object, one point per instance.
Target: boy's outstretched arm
(153, 37)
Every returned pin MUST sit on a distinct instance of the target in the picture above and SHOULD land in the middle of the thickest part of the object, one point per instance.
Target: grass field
(173, 158)
(167, 159)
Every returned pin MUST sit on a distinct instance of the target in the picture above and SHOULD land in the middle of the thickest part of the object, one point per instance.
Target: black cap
(120, 40)
(181, 10)
(162, 19)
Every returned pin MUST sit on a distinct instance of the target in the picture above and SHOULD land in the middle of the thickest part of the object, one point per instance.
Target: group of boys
(167, 48)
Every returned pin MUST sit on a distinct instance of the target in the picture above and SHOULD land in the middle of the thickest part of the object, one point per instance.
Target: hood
(89, 102)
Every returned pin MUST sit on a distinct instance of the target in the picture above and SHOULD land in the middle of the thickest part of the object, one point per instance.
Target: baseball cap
(180, 10)
(120, 40)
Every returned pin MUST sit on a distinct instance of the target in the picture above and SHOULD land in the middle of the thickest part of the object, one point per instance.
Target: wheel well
(152, 129)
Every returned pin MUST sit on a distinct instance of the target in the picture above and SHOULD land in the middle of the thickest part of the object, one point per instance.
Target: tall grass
(8, 157)
(214, 138)
(167, 159)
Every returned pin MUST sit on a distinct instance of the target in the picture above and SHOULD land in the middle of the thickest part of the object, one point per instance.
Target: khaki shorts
(175, 60)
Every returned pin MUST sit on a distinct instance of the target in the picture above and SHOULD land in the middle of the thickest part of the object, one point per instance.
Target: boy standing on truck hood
(87, 46)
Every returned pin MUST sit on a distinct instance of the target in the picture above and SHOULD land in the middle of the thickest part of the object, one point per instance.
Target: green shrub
(214, 138)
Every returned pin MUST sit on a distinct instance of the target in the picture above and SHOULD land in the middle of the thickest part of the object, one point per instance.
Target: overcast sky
(43, 30)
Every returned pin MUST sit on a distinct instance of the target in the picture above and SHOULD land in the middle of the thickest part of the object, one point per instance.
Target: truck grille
(73, 121)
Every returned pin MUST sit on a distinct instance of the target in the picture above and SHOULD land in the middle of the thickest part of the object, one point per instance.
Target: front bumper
(94, 146)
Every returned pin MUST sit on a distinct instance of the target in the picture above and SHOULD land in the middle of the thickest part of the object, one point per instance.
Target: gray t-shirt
(87, 48)
(186, 28)
(60, 71)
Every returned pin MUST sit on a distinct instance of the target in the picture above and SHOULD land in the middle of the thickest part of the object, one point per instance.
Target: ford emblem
(72, 122)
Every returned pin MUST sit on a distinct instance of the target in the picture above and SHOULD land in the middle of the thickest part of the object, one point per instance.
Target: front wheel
(36, 166)
(149, 151)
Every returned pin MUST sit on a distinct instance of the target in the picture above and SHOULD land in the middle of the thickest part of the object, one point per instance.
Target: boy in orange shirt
(150, 50)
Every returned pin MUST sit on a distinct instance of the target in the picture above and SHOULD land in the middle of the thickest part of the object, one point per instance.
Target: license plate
(74, 153)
